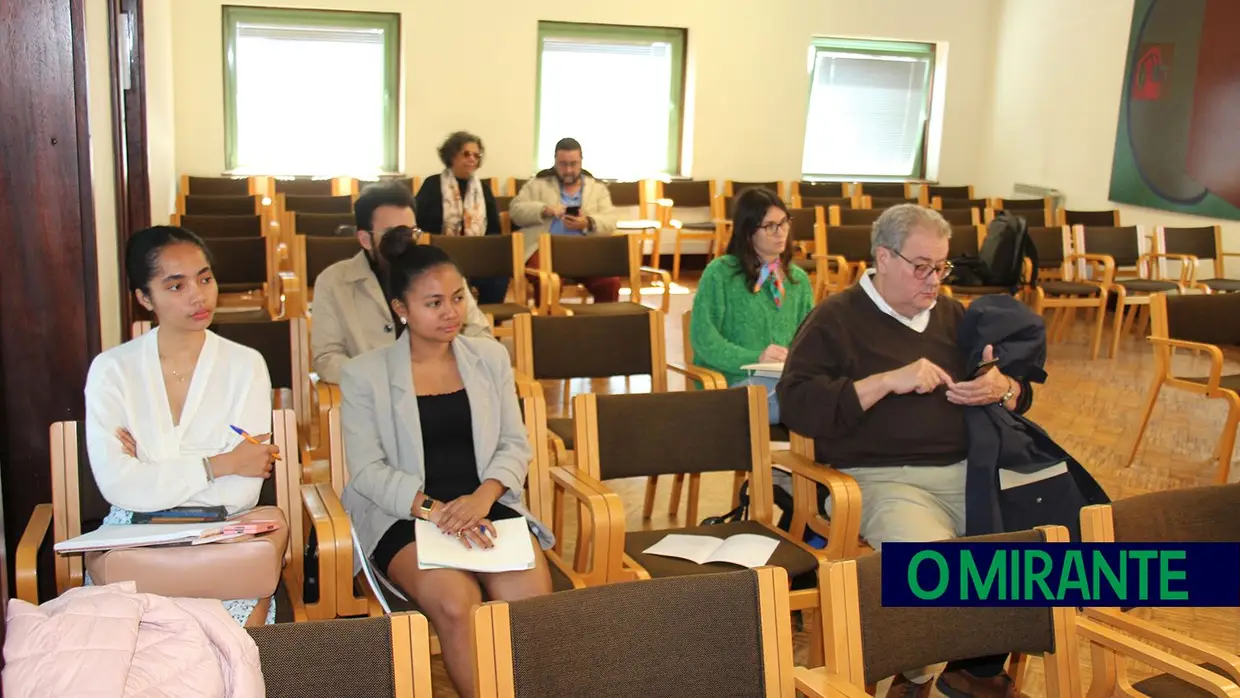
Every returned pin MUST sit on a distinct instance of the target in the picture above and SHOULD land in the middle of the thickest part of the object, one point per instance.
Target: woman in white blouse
(160, 409)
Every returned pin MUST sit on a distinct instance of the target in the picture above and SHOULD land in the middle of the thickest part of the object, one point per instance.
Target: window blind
(867, 113)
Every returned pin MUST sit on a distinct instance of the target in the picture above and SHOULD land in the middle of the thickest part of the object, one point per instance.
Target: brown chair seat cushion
(788, 556)
(1222, 284)
(698, 227)
(1147, 285)
(503, 312)
(1168, 686)
(1068, 288)
(1231, 383)
(563, 428)
(619, 308)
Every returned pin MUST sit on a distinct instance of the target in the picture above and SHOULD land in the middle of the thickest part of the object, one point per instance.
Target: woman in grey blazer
(432, 430)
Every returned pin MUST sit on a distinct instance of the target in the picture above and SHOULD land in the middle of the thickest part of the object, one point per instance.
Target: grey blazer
(383, 434)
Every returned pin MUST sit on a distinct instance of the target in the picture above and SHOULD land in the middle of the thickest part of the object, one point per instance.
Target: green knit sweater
(732, 325)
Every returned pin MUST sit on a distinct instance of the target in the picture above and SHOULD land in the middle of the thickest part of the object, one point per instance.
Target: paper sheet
(513, 548)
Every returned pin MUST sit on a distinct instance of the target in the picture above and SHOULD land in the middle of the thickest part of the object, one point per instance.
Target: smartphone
(984, 367)
(573, 211)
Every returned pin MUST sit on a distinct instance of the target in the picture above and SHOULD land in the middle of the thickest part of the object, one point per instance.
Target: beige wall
(160, 108)
(747, 91)
(1059, 72)
(102, 164)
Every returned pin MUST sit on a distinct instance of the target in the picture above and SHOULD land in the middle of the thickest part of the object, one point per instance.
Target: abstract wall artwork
(1177, 147)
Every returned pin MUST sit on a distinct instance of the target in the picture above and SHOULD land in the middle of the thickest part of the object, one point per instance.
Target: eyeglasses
(921, 270)
(772, 228)
(472, 155)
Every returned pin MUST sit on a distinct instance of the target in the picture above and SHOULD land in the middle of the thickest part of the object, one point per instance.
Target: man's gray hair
(893, 226)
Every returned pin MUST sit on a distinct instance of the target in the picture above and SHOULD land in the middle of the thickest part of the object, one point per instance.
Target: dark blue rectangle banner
(1061, 574)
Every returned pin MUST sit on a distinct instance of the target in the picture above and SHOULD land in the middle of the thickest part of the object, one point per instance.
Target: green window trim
(907, 49)
(623, 33)
(388, 23)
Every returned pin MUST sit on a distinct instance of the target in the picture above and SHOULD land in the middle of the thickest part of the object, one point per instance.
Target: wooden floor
(1091, 408)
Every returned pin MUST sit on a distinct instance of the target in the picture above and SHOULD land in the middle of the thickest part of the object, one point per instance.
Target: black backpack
(1004, 251)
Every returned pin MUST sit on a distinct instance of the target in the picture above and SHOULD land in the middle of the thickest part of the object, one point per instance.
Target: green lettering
(1015, 587)
(1102, 568)
(972, 576)
(1073, 576)
(1143, 558)
(915, 586)
(1038, 577)
(1166, 575)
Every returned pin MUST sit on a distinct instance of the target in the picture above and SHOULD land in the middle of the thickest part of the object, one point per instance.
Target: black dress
(492, 290)
(450, 465)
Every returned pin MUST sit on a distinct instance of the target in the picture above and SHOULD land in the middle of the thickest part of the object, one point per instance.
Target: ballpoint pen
(251, 439)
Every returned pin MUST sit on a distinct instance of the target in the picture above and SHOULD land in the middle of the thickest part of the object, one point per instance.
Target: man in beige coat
(543, 206)
(350, 314)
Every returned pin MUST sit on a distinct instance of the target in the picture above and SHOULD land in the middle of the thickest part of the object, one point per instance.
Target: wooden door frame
(130, 144)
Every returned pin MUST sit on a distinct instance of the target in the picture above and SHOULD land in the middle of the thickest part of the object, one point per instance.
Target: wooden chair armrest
(1125, 646)
(292, 296)
(1229, 254)
(282, 399)
(1188, 266)
(845, 496)
(666, 279)
(606, 512)
(342, 540)
(26, 561)
(527, 387)
(710, 380)
(818, 683)
(1215, 354)
(1197, 650)
(545, 282)
(1106, 261)
(328, 542)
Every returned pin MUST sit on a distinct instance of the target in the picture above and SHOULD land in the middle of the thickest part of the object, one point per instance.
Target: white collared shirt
(917, 323)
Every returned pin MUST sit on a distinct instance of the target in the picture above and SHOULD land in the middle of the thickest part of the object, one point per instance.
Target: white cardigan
(125, 388)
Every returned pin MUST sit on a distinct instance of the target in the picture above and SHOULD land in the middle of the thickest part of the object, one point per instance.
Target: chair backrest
(577, 257)
(960, 216)
(306, 203)
(199, 205)
(850, 241)
(1204, 514)
(482, 255)
(822, 189)
(590, 346)
(240, 261)
(826, 201)
(689, 637)
(1050, 242)
(958, 633)
(210, 226)
(274, 339)
(215, 186)
(306, 660)
(1022, 204)
(1105, 219)
(965, 241)
(503, 203)
(304, 187)
(695, 431)
(321, 224)
(859, 216)
(949, 204)
(896, 190)
(735, 188)
(1209, 319)
(1121, 244)
(321, 253)
(948, 192)
(804, 224)
(625, 194)
(884, 202)
(1201, 242)
(689, 194)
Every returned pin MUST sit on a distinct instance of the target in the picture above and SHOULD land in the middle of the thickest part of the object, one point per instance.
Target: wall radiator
(1039, 192)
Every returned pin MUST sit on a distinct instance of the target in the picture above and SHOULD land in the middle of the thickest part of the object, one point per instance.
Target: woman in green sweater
(751, 301)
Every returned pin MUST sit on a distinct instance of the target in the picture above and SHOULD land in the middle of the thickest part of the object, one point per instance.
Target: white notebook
(744, 549)
(136, 536)
(513, 548)
(771, 369)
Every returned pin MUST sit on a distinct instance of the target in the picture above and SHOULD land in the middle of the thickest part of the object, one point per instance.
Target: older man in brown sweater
(876, 377)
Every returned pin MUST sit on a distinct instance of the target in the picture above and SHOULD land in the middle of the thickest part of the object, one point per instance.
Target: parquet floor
(1091, 408)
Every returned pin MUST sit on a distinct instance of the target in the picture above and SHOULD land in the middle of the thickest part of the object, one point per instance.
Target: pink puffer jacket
(112, 641)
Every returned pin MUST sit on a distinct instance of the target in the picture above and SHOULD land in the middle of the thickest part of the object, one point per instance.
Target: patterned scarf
(775, 272)
(462, 216)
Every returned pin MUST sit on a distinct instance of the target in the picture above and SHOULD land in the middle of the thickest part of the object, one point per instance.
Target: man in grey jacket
(566, 201)
(350, 315)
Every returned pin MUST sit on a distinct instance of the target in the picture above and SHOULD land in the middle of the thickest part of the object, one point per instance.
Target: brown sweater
(848, 338)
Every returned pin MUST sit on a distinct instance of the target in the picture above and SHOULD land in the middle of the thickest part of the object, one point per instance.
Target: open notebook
(744, 549)
(513, 549)
(767, 370)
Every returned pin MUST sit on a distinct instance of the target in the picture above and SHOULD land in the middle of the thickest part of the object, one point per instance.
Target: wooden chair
(883, 203)
(1197, 514)
(823, 189)
(1197, 244)
(1028, 209)
(632, 203)
(357, 185)
(823, 202)
(78, 507)
(563, 348)
(927, 193)
(211, 226)
(624, 436)
(895, 190)
(1073, 289)
(302, 186)
(502, 204)
(867, 641)
(318, 224)
(250, 280)
(305, 203)
(1197, 323)
(731, 188)
(491, 256)
(961, 216)
(724, 634)
(843, 251)
(1103, 219)
(688, 207)
(853, 216)
(306, 660)
(218, 186)
(201, 205)
(562, 257)
(940, 203)
(311, 255)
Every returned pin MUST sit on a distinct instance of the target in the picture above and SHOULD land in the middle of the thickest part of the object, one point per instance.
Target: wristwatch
(425, 508)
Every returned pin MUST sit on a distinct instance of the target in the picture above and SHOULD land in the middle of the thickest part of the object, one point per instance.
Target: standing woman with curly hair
(455, 202)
